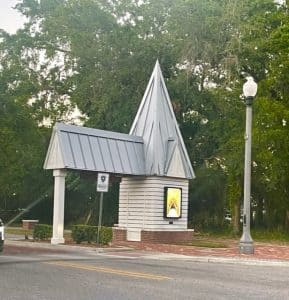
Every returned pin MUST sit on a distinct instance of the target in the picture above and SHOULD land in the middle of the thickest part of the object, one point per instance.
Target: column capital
(59, 172)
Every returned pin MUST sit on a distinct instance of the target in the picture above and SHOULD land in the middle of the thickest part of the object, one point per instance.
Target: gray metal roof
(82, 148)
(164, 148)
(154, 146)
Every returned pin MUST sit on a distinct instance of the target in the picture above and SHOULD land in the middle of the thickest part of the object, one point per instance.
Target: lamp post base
(246, 245)
(246, 248)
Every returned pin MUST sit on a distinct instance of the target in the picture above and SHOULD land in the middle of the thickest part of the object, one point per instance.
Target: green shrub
(105, 235)
(42, 232)
(91, 232)
(81, 233)
(86, 233)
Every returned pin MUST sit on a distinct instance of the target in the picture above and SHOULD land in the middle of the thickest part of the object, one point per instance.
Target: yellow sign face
(173, 202)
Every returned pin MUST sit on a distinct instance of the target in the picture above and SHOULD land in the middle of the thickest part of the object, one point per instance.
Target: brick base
(118, 235)
(167, 237)
(158, 237)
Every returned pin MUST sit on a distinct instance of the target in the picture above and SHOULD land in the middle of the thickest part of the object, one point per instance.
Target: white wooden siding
(141, 203)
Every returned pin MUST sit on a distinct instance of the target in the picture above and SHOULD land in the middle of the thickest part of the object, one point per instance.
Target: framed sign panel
(173, 203)
(102, 182)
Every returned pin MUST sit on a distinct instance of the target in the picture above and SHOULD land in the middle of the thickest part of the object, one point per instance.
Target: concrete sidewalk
(265, 253)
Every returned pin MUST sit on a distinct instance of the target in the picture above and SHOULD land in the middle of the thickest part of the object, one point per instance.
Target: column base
(57, 241)
(246, 248)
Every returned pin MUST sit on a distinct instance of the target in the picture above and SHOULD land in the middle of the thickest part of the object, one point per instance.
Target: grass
(221, 236)
(275, 236)
(19, 231)
(208, 244)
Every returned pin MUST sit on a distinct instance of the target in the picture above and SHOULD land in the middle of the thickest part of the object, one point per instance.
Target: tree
(23, 143)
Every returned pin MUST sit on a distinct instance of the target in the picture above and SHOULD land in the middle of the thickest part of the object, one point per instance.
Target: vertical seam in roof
(129, 162)
(161, 137)
(70, 146)
(163, 150)
(168, 162)
(148, 106)
(122, 168)
(99, 147)
(90, 147)
(149, 140)
(138, 163)
(81, 150)
(166, 120)
(110, 155)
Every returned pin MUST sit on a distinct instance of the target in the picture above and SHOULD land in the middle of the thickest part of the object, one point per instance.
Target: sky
(10, 19)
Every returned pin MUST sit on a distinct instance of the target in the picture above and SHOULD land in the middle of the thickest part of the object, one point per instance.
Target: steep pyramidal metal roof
(164, 148)
(89, 149)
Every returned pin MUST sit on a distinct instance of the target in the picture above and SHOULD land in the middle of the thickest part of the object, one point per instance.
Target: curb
(64, 247)
(220, 259)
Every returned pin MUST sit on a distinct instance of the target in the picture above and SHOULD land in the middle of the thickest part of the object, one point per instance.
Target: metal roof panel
(96, 153)
(76, 151)
(96, 150)
(125, 158)
(87, 153)
(66, 149)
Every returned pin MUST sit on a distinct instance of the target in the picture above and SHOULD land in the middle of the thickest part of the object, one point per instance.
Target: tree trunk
(88, 217)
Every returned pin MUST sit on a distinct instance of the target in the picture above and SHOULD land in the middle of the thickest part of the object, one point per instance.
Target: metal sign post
(102, 186)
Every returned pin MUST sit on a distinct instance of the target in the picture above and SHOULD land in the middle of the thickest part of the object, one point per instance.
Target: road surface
(132, 275)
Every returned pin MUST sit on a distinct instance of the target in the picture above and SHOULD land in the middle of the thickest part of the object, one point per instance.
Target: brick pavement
(264, 251)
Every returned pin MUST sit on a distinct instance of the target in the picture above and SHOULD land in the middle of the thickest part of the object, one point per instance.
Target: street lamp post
(246, 242)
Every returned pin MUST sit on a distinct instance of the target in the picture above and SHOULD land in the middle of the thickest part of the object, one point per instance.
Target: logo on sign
(102, 182)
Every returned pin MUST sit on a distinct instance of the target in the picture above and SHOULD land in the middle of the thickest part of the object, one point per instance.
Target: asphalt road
(132, 275)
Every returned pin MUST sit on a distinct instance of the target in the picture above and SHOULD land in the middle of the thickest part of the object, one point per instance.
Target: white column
(58, 207)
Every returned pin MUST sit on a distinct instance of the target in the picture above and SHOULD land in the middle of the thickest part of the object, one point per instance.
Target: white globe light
(250, 88)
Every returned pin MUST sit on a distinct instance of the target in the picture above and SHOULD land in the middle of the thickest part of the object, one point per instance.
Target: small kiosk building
(152, 161)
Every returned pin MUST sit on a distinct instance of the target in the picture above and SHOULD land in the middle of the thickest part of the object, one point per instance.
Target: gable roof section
(164, 148)
(81, 148)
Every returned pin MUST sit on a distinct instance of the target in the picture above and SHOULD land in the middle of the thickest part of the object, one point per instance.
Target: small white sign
(102, 182)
